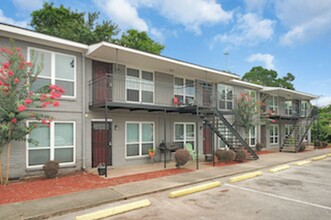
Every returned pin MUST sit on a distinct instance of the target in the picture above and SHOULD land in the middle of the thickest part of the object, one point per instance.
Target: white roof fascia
(94, 47)
(39, 38)
(246, 84)
(306, 95)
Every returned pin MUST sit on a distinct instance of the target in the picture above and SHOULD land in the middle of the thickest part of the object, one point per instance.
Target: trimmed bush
(324, 144)
(317, 144)
(259, 147)
(51, 168)
(302, 147)
(225, 155)
(181, 157)
(240, 155)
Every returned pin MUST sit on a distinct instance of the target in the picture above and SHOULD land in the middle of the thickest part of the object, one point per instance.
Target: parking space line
(279, 197)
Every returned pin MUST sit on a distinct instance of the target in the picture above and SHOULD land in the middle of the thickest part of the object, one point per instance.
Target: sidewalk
(43, 208)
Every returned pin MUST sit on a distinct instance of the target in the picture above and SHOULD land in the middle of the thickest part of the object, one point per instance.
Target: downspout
(83, 114)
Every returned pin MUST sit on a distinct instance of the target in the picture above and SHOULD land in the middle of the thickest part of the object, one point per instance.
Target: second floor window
(273, 104)
(225, 97)
(139, 86)
(288, 107)
(304, 108)
(58, 68)
(184, 90)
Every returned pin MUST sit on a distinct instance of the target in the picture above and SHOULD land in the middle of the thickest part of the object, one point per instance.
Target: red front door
(207, 140)
(101, 143)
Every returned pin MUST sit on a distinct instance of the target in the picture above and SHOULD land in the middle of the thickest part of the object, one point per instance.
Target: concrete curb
(302, 162)
(115, 210)
(194, 189)
(329, 155)
(245, 176)
(279, 168)
(319, 157)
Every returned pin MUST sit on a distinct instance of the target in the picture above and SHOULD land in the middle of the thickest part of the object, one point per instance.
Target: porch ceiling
(118, 54)
(287, 93)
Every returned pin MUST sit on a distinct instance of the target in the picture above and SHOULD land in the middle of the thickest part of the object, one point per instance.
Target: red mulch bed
(41, 188)
(264, 152)
(221, 164)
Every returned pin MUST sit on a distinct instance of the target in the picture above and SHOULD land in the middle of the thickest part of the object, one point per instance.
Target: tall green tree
(265, 77)
(64, 23)
(322, 127)
(140, 41)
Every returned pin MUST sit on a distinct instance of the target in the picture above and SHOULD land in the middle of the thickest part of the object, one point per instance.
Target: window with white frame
(273, 104)
(58, 68)
(304, 108)
(252, 94)
(184, 90)
(252, 136)
(225, 97)
(226, 133)
(288, 130)
(184, 133)
(56, 142)
(139, 138)
(288, 107)
(139, 86)
(274, 134)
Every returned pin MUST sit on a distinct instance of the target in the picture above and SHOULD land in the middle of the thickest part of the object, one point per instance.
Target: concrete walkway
(57, 205)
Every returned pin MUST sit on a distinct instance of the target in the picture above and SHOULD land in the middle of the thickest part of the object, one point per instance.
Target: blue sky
(284, 35)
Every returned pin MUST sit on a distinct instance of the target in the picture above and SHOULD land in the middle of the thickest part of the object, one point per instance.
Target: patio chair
(189, 148)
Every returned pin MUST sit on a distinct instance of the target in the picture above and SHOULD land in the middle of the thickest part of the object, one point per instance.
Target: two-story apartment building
(121, 102)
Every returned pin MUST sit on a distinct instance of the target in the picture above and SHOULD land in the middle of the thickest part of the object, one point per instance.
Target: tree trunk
(8, 155)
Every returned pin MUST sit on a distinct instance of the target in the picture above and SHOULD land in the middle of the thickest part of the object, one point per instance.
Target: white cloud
(322, 101)
(266, 59)
(4, 19)
(157, 35)
(305, 19)
(123, 13)
(192, 14)
(249, 29)
(255, 5)
(29, 5)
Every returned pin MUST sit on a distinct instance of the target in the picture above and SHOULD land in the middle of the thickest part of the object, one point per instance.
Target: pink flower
(43, 97)
(14, 120)
(55, 95)
(29, 64)
(6, 65)
(56, 103)
(21, 108)
(45, 104)
(16, 80)
(273, 121)
(18, 49)
(28, 101)
(44, 121)
(10, 73)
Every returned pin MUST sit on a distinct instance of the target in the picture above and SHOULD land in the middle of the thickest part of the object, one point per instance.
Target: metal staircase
(299, 132)
(215, 120)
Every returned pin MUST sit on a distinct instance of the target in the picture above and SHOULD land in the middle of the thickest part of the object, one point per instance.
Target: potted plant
(151, 152)
(102, 169)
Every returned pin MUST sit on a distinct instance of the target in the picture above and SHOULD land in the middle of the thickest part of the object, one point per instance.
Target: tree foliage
(265, 77)
(322, 128)
(140, 41)
(64, 23)
(16, 78)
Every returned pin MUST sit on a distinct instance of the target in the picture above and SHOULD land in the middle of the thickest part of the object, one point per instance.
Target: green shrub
(317, 144)
(240, 155)
(51, 168)
(225, 155)
(181, 157)
(302, 147)
(324, 144)
(259, 147)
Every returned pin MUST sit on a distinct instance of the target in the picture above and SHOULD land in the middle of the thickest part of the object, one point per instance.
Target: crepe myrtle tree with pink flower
(17, 100)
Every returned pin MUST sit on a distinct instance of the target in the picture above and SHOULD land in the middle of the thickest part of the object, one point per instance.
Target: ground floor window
(273, 131)
(288, 130)
(56, 142)
(252, 136)
(139, 138)
(226, 133)
(184, 133)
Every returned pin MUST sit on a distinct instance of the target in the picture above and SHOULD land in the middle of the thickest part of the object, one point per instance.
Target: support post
(107, 129)
(165, 138)
(197, 138)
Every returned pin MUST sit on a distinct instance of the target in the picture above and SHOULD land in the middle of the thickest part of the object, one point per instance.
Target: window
(139, 138)
(252, 136)
(56, 142)
(184, 133)
(273, 104)
(273, 134)
(226, 133)
(59, 69)
(225, 97)
(288, 107)
(304, 108)
(184, 90)
(288, 130)
(139, 86)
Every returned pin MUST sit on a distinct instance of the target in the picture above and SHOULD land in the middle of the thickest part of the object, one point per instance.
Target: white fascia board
(289, 91)
(246, 84)
(97, 46)
(39, 38)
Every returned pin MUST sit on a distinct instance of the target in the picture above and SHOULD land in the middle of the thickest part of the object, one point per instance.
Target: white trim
(101, 120)
(53, 77)
(52, 145)
(290, 92)
(246, 84)
(140, 142)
